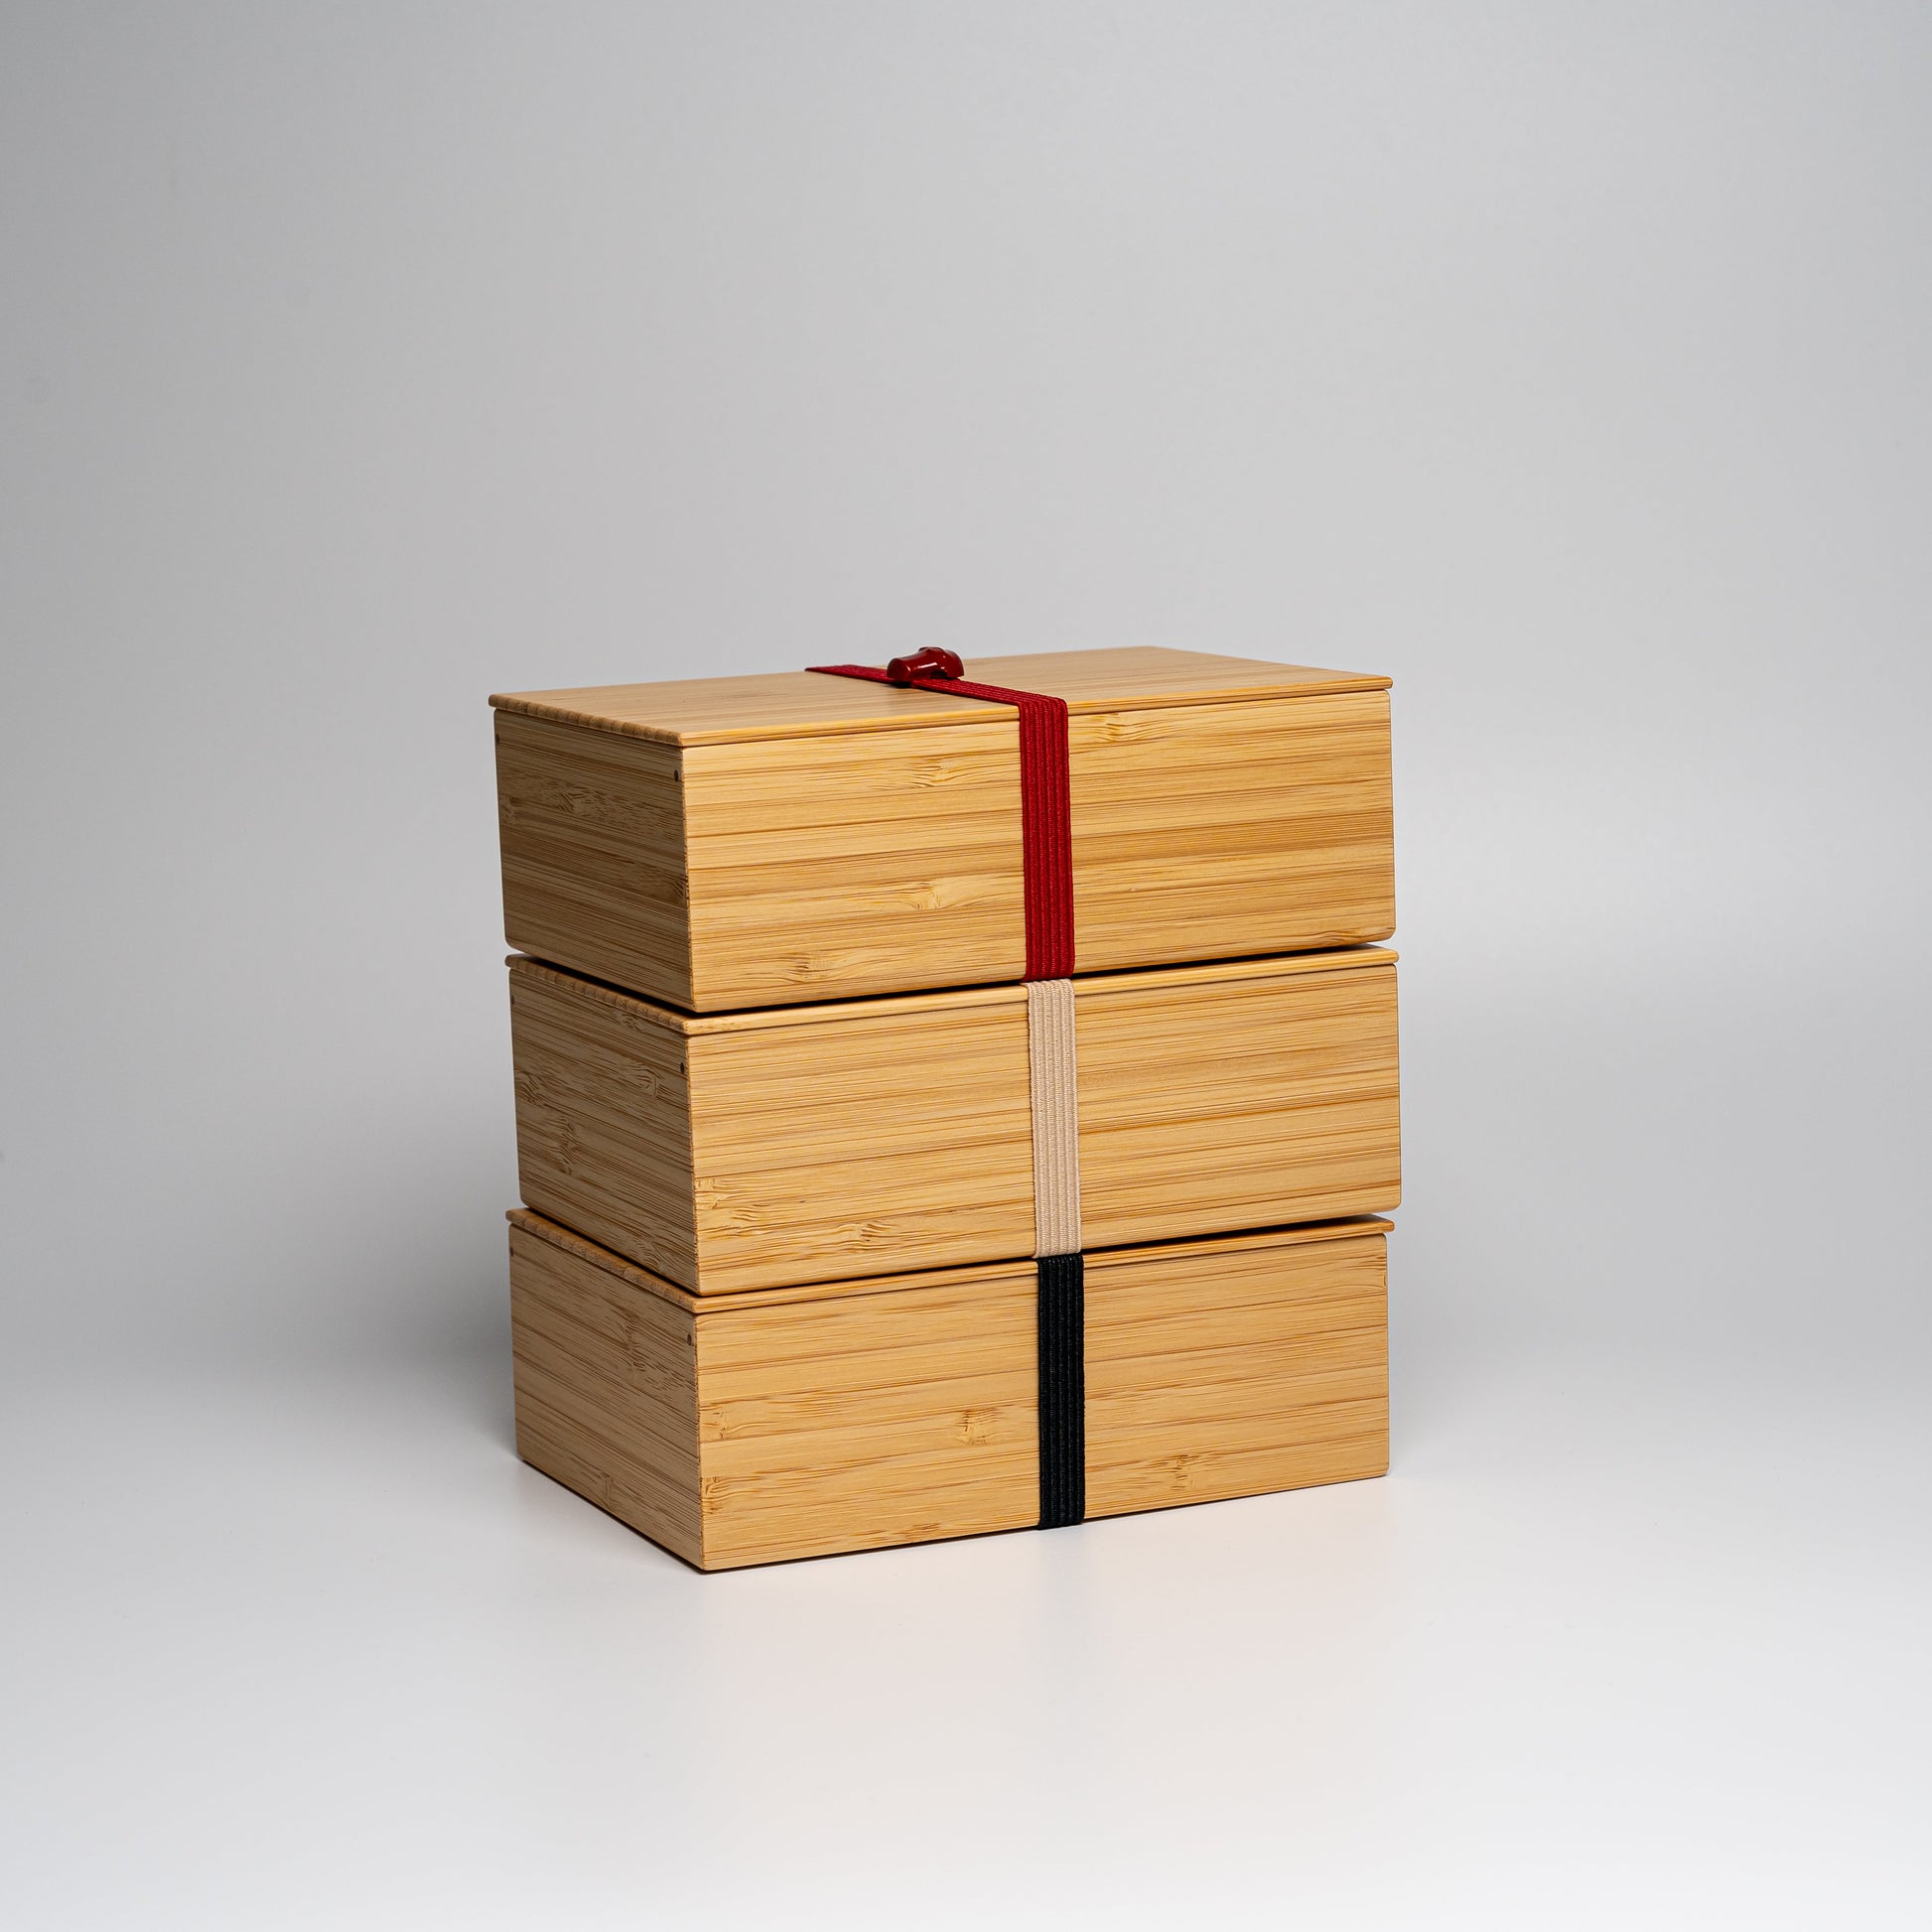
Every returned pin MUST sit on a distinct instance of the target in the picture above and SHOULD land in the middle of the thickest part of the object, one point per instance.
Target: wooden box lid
(805, 704)
(749, 841)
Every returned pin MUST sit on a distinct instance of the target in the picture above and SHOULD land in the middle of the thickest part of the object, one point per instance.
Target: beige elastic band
(1054, 1075)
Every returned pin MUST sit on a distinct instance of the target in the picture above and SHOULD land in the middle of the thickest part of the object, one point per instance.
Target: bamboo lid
(805, 703)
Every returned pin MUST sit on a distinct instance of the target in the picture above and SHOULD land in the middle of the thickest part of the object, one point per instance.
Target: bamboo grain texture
(832, 865)
(1227, 1374)
(762, 1151)
(604, 1123)
(866, 1421)
(1236, 1102)
(606, 1388)
(745, 842)
(592, 833)
(893, 1411)
(732, 710)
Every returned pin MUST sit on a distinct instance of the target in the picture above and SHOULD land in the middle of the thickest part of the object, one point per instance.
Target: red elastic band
(1046, 815)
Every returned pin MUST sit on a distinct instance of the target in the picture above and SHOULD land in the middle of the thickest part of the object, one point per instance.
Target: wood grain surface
(790, 704)
(1215, 1102)
(900, 1411)
(604, 1121)
(605, 1382)
(845, 839)
(592, 832)
(1209, 831)
(830, 864)
(1227, 1374)
(868, 1419)
(758, 1298)
(758, 1150)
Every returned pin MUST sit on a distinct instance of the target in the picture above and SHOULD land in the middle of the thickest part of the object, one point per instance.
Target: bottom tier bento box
(802, 1422)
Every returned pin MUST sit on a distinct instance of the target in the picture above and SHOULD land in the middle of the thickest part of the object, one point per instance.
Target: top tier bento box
(734, 842)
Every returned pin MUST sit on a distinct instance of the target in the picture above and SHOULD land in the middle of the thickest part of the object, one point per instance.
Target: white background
(1572, 364)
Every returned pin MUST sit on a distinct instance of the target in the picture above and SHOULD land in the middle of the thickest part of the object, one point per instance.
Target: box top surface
(808, 704)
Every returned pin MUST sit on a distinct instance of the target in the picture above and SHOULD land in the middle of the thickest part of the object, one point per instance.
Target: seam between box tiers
(1087, 986)
(986, 1274)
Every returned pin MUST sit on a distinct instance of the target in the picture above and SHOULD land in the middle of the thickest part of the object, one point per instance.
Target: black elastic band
(1063, 1391)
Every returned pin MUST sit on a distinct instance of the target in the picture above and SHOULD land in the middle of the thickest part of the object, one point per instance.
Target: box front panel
(1218, 831)
(877, 1140)
(866, 1143)
(1236, 1373)
(833, 866)
(1239, 1104)
(867, 1419)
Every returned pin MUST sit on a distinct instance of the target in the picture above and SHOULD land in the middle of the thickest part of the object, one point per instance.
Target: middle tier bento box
(799, 1144)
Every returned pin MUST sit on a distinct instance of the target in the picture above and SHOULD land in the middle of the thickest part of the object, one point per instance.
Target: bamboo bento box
(794, 1144)
(734, 842)
(802, 1422)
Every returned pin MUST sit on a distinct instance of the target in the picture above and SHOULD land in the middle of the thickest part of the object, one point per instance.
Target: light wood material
(1209, 830)
(868, 1419)
(604, 1121)
(822, 867)
(1228, 1373)
(790, 704)
(760, 1297)
(756, 1150)
(592, 828)
(776, 1425)
(605, 1387)
(1209, 1104)
(739, 842)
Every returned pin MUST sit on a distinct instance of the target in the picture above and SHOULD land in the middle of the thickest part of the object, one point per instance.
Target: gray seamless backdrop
(1568, 361)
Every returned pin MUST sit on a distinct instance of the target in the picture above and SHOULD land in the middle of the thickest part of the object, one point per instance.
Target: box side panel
(603, 1123)
(1232, 1374)
(865, 1145)
(831, 867)
(593, 839)
(1216, 830)
(607, 1391)
(868, 1420)
(1206, 1109)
